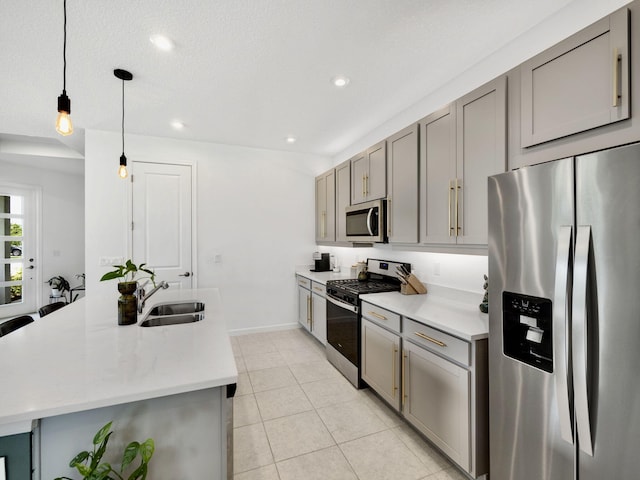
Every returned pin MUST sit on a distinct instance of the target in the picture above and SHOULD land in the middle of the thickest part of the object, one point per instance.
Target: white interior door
(162, 221)
(20, 242)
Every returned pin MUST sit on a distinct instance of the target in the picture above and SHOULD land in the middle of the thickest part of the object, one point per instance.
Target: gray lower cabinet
(319, 312)
(343, 199)
(579, 84)
(381, 359)
(402, 186)
(304, 302)
(369, 174)
(326, 207)
(312, 308)
(461, 146)
(436, 381)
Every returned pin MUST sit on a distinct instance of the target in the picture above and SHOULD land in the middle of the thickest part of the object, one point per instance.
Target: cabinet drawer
(437, 341)
(318, 289)
(304, 282)
(381, 316)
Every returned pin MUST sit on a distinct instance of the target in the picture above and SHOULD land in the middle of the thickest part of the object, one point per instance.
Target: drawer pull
(318, 289)
(377, 315)
(429, 339)
(302, 282)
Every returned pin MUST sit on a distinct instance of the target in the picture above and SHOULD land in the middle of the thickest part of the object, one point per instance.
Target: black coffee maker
(322, 262)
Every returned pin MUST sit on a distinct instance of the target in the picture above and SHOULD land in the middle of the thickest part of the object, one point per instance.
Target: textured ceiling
(245, 72)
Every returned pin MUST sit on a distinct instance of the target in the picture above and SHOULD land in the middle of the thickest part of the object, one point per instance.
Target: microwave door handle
(579, 327)
(369, 221)
(561, 330)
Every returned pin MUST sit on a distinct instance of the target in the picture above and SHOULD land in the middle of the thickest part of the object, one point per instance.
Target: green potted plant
(58, 285)
(128, 302)
(89, 464)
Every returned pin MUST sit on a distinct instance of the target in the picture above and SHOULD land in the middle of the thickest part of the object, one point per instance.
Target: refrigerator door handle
(579, 339)
(561, 330)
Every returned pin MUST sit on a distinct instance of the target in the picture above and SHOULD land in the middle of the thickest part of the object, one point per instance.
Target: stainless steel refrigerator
(564, 319)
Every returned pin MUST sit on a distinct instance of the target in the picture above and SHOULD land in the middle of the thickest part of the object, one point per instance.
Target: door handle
(369, 221)
(580, 339)
(185, 274)
(561, 348)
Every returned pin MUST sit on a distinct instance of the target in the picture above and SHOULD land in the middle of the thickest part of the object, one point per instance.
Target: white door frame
(194, 209)
(34, 193)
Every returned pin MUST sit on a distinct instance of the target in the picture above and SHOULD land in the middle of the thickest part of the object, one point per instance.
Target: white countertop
(458, 317)
(322, 277)
(79, 358)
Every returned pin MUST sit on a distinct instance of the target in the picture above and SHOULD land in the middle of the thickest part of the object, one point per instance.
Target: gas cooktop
(361, 287)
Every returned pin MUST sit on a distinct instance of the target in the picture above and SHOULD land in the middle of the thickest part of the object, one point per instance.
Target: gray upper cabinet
(326, 207)
(369, 174)
(402, 186)
(481, 151)
(437, 169)
(461, 146)
(343, 199)
(579, 84)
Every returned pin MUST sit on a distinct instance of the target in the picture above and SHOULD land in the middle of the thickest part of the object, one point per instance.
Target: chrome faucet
(143, 297)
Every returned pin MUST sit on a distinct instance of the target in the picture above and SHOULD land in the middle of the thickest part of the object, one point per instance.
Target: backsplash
(461, 272)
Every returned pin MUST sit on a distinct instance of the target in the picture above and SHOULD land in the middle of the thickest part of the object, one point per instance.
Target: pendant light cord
(122, 117)
(64, 51)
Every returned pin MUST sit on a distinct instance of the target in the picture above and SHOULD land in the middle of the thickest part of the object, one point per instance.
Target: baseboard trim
(270, 328)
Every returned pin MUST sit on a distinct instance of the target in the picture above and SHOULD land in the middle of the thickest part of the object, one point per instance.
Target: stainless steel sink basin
(171, 319)
(176, 308)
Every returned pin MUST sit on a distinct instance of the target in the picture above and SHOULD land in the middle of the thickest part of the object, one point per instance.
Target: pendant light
(63, 122)
(123, 75)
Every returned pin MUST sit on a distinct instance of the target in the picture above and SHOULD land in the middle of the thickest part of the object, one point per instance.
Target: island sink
(171, 320)
(176, 308)
(174, 313)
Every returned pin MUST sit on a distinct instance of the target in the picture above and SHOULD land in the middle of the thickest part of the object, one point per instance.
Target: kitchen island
(67, 374)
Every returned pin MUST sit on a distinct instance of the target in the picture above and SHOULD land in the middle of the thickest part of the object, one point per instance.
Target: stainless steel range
(344, 317)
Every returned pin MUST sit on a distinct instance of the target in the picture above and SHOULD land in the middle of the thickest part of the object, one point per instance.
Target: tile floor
(296, 417)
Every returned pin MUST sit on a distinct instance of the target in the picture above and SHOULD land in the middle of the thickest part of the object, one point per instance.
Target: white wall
(62, 218)
(255, 208)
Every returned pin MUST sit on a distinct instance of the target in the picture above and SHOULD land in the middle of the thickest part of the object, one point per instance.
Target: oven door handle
(369, 221)
(346, 306)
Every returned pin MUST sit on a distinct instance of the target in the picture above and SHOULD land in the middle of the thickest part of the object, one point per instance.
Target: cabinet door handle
(364, 191)
(404, 395)
(377, 315)
(324, 223)
(309, 311)
(394, 352)
(430, 339)
(366, 183)
(389, 215)
(458, 187)
(617, 63)
(450, 194)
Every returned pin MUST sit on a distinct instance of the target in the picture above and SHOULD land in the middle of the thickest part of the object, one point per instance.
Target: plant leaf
(79, 459)
(111, 275)
(97, 456)
(102, 434)
(140, 472)
(83, 470)
(100, 473)
(130, 453)
(146, 449)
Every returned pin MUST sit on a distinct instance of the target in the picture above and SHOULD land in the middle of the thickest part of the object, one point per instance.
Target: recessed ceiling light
(177, 124)
(340, 81)
(162, 42)
(291, 139)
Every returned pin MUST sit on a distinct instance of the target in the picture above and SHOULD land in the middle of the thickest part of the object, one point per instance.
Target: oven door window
(360, 221)
(342, 331)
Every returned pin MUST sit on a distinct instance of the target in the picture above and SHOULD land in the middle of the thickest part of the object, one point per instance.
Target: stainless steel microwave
(366, 222)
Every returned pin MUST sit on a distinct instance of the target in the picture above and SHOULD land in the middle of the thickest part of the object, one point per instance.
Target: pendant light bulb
(122, 170)
(64, 126)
